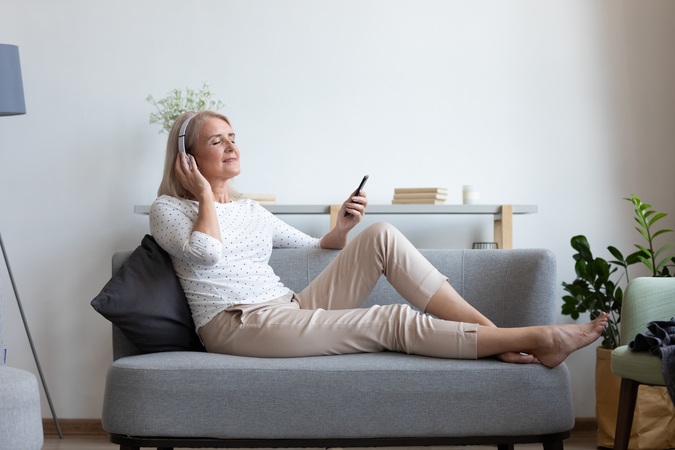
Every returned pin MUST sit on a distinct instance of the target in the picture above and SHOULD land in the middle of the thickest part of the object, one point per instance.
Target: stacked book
(428, 196)
(263, 199)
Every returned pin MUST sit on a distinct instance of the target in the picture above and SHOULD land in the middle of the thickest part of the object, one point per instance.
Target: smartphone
(358, 189)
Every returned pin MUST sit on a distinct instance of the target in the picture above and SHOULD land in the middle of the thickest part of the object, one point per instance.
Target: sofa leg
(504, 446)
(554, 445)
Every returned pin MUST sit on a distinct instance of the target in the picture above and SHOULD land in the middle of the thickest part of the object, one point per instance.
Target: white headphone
(181, 134)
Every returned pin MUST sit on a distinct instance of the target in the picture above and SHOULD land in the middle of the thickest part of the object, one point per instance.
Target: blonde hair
(170, 184)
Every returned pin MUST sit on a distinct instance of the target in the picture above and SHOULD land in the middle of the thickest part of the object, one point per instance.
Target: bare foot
(517, 358)
(562, 340)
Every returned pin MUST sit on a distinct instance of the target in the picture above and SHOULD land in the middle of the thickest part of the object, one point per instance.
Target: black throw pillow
(146, 302)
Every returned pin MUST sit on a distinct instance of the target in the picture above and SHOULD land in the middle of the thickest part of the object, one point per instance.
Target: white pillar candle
(470, 194)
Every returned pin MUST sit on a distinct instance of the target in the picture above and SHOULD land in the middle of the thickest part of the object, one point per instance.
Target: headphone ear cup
(183, 132)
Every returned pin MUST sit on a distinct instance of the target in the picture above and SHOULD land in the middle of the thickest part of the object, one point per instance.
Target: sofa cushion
(342, 396)
(146, 301)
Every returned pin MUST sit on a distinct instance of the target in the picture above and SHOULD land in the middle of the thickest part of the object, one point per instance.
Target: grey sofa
(196, 399)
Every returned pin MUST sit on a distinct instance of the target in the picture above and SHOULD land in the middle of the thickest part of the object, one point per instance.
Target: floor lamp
(12, 104)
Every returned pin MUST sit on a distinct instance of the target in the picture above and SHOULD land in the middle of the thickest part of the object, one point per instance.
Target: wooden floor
(580, 440)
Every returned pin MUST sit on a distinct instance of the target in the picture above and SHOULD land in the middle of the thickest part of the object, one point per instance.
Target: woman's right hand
(194, 182)
(191, 178)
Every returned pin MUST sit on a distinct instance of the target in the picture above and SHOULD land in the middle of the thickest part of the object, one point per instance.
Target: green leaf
(647, 253)
(640, 221)
(660, 232)
(581, 245)
(634, 257)
(581, 269)
(568, 309)
(643, 233)
(648, 262)
(656, 218)
(615, 252)
(663, 249)
(661, 265)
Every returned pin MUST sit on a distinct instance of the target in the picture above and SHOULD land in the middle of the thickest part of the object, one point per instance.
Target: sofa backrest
(511, 287)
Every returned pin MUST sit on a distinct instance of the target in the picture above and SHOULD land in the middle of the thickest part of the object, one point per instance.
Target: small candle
(470, 194)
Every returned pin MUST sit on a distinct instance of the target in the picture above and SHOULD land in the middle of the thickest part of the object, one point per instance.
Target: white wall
(566, 104)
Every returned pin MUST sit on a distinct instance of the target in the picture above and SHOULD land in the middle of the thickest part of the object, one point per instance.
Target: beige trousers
(325, 318)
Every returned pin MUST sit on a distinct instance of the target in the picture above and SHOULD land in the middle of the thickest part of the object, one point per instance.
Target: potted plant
(598, 287)
(179, 101)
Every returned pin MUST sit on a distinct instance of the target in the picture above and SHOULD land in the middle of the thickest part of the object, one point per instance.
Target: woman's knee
(380, 229)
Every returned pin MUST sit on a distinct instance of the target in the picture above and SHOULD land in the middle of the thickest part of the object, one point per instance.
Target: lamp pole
(11, 104)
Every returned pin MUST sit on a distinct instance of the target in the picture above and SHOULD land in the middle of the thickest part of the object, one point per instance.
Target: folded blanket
(659, 339)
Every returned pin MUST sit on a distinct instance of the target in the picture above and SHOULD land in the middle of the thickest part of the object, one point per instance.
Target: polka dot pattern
(216, 275)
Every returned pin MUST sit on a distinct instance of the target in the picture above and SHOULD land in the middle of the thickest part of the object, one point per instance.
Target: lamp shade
(11, 86)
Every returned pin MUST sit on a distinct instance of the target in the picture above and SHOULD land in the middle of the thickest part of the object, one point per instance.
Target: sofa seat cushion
(190, 394)
(643, 367)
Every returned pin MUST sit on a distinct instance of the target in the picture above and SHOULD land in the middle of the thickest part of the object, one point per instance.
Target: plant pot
(654, 418)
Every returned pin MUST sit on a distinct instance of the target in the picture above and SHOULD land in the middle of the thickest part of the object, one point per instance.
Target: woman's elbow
(204, 256)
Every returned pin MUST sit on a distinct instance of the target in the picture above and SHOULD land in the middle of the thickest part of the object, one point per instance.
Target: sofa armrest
(514, 288)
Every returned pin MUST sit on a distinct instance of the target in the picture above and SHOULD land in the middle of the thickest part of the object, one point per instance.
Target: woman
(220, 246)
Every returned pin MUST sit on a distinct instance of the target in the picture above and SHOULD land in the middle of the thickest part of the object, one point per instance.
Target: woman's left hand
(352, 211)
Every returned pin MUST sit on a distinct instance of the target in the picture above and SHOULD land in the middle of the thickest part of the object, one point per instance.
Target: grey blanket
(659, 339)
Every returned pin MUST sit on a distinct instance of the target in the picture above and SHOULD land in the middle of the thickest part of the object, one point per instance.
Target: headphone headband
(181, 133)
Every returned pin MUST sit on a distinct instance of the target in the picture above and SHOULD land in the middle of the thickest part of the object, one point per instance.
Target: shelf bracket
(504, 227)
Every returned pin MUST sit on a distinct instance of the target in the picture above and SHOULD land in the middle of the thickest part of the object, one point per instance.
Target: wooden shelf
(502, 214)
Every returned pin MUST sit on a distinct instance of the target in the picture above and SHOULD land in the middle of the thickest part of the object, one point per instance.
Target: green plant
(646, 218)
(179, 101)
(597, 286)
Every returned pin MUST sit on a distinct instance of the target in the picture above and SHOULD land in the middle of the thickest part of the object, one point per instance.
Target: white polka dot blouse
(216, 275)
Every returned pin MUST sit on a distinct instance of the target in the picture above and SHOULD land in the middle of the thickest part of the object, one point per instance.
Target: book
(423, 190)
(422, 195)
(263, 199)
(413, 196)
(417, 201)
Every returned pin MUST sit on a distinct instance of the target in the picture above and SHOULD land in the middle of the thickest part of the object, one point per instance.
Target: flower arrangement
(179, 101)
